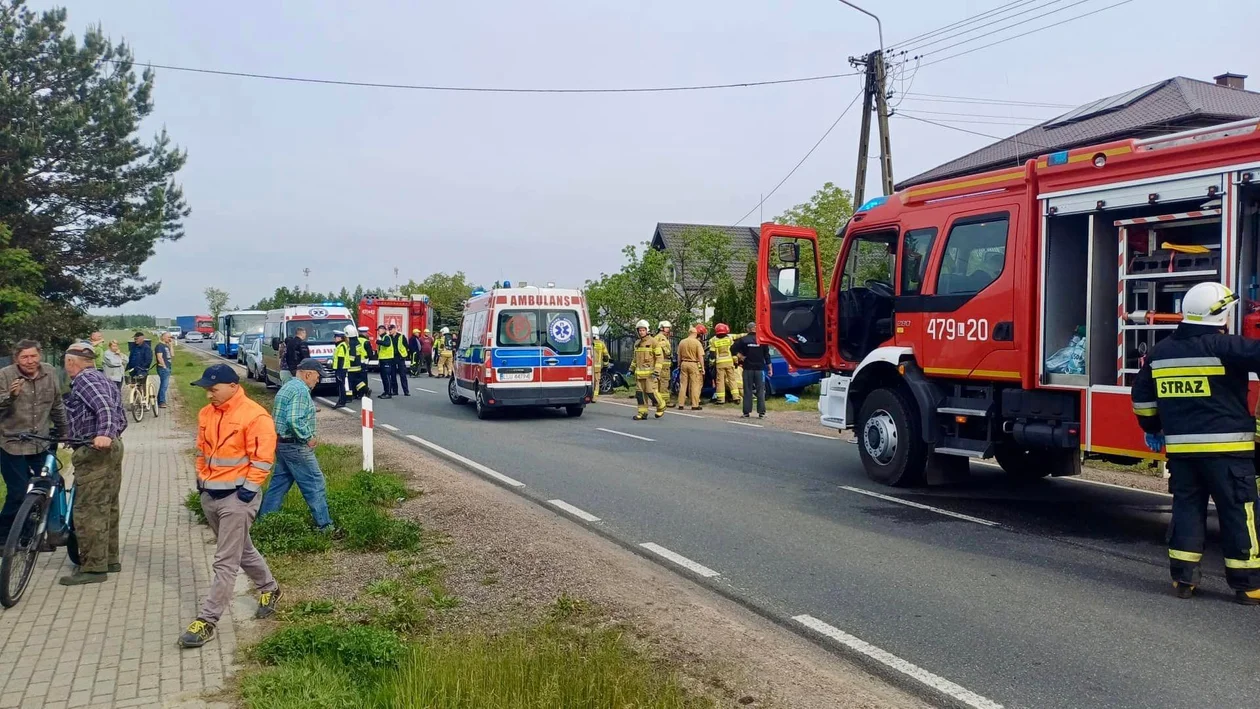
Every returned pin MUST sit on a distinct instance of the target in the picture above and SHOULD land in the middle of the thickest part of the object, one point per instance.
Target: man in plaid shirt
(94, 412)
(294, 413)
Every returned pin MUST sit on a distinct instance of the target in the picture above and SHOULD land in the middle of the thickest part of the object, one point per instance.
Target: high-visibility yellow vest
(385, 348)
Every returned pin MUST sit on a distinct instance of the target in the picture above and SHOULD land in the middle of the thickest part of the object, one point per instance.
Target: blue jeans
(164, 381)
(295, 463)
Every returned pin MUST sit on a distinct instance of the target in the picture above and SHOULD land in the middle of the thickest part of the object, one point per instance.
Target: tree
(216, 301)
(84, 196)
(642, 289)
(20, 279)
(826, 212)
(701, 257)
(447, 293)
(288, 296)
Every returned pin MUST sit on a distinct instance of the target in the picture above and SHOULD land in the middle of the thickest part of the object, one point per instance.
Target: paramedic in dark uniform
(1190, 398)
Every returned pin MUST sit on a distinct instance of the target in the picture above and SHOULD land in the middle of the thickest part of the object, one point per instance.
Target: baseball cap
(82, 349)
(217, 374)
(392, 326)
(310, 364)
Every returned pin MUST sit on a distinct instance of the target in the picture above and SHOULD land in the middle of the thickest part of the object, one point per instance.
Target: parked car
(253, 358)
(245, 341)
(194, 336)
(784, 379)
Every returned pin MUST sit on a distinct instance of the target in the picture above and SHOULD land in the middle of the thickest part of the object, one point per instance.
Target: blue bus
(234, 324)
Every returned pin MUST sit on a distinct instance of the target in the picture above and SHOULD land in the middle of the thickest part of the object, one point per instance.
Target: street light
(879, 25)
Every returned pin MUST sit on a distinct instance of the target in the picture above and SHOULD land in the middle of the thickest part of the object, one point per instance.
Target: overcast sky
(353, 182)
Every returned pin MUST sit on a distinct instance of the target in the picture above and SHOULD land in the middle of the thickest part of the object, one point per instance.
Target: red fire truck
(407, 313)
(1006, 314)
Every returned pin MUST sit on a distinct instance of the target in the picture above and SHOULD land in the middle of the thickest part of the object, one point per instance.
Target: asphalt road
(1052, 594)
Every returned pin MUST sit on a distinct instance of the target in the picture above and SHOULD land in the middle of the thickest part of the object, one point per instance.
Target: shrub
(354, 646)
(193, 503)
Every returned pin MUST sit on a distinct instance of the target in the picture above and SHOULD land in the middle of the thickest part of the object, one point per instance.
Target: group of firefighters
(1190, 398)
(653, 355)
(396, 356)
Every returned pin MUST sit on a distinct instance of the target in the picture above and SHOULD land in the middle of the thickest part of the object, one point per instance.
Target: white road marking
(690, 416)
(681, 560)
(425, 390)
(1075, 479)
(576, 512)
(905, 667)
(817, 435)
(617, 403)
(929, 508)
(627, 435)
(326, 401)
(389, 427)
(745, 423)
(346, 410)
(469, 462)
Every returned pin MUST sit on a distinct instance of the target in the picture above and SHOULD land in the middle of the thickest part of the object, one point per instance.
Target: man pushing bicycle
(29, 403)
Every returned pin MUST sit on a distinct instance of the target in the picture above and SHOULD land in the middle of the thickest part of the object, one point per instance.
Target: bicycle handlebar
(50, 439)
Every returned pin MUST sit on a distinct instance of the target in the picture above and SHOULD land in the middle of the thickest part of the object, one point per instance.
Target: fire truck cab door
(968, 316)
(791, 307)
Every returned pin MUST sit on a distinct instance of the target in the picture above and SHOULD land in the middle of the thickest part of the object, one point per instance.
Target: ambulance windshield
(318, 332)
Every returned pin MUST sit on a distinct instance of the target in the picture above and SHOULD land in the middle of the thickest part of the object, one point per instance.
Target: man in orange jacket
(236, 445)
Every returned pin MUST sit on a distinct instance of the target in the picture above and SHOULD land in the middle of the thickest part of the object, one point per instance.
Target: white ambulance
(320, 320)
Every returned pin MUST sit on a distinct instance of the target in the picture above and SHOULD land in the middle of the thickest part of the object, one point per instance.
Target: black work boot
(199, 633)
(1247, 598)
(1183, 590)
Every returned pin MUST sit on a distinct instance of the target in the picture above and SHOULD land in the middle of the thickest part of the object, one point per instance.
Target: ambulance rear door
(517, 347)
(563, 336)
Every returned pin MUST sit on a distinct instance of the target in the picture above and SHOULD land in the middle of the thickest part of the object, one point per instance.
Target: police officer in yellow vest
(599, 355)
(400, 360)
(649, 360)
(1190, 397)
(349, 357)
(724, 362)
(385, 357)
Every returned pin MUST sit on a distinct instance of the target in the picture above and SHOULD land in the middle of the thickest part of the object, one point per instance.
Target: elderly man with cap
(94, 413)
(29, 403)
(236, 446)
(294, 413)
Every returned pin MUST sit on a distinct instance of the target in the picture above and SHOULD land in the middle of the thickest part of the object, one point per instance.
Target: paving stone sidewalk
(113, 644)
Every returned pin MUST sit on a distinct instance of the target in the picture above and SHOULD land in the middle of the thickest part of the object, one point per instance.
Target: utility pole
(307, 272)
(875, 99)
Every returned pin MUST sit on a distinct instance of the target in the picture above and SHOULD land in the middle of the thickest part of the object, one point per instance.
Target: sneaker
(115, 568)
(1183, 590)
(267, 603)
(744, 416)
(81, 577)
(199, 633)
(1247, 598)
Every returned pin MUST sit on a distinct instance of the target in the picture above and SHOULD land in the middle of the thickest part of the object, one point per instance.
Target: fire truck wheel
(889, 440)
(1024, 463)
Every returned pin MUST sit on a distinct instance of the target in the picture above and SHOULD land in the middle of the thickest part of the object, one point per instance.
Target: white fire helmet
(665, 325)
(350, 331)
(445, 331)
(1208, 304)
(642, 325)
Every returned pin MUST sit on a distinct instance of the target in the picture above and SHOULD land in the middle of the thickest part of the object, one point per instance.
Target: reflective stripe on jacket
(1193, 389)
(599, 354)
(648, 357)
(721, 349)
(236, 444)
(666, 348)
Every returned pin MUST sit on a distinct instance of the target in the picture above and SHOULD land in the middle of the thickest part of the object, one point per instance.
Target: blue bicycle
(43, 523)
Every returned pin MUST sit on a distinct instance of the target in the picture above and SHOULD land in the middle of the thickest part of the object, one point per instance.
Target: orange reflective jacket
(236, 445)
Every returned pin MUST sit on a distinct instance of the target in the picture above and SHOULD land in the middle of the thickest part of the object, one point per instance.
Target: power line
(802, 160)
(1024, 124)
(943, 125)
(484, 89)
(977, 99)
(1006, 27)
(978, 115)
(1025, 34)
(963, 21)
(968, 30)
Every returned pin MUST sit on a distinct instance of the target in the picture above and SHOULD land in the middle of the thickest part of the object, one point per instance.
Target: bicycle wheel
(137, 405)
(21, 549)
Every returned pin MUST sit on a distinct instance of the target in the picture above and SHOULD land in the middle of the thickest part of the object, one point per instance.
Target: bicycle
(140, 401)
(44, 522)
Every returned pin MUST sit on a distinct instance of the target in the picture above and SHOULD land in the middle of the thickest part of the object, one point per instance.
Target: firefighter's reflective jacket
(1193, 389)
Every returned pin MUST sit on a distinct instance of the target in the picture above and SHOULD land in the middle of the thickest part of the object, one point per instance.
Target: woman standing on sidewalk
(114, 362)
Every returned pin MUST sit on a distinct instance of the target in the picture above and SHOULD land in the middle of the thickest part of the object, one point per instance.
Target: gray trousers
(754, 385)
(231, 519)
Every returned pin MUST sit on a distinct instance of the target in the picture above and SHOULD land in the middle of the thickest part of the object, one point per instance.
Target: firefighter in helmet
(599, 355)
(720, 345)
(1190, 397)
(663, 330)
(649, 360)
(445, 347)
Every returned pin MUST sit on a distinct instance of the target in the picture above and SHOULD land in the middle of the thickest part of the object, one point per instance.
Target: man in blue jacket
(141, 357)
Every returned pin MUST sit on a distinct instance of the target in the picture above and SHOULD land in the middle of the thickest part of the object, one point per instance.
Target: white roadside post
(369, 422)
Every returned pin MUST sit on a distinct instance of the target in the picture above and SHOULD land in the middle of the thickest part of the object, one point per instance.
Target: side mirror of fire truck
(789, 252)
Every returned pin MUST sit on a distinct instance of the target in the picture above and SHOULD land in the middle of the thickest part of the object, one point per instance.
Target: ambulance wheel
(483, 410)
(889, 440)
(1024, 463)
(452, 392)
(575, 410)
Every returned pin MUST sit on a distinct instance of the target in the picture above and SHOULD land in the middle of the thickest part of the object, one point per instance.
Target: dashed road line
(576, 512)
(929, 508)
(690, 416)
(468, 462)
(1075, 479)
(816, 435)
(425, 390)
(681, 560)
(389, 427)
(745, 423)
(627, 435)
(905, 667)
(616, 403)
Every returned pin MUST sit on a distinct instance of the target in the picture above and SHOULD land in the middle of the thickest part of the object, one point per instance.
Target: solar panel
(1104, 105)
